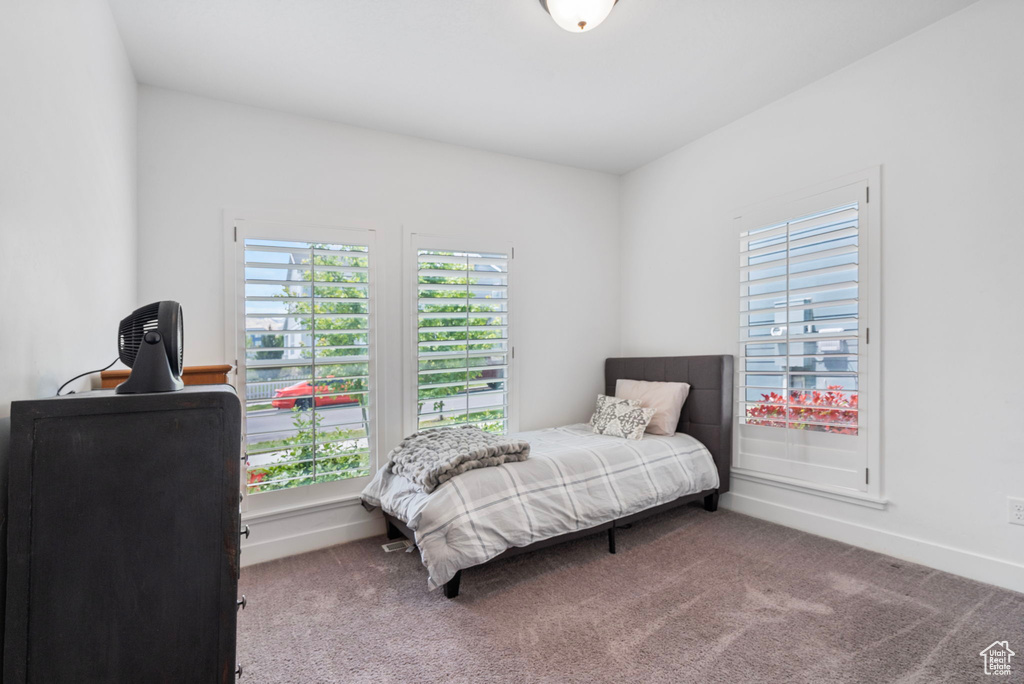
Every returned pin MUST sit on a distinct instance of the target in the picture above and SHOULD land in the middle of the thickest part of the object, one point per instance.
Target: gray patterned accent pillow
(603, 401)
(620, 417)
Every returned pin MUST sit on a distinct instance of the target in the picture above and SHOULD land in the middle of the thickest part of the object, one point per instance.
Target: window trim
(785, 207)
(410, 319)
(239, 226)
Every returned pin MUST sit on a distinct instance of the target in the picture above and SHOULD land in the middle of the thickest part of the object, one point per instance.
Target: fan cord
(82, 375)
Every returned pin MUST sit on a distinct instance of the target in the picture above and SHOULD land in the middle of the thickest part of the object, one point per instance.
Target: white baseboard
(303, 541)
(939, 556)
(303, 534)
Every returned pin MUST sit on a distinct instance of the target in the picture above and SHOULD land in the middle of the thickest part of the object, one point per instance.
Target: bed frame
(707, 415)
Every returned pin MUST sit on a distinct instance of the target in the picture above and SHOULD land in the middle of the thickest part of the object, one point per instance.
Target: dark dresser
(123, 538)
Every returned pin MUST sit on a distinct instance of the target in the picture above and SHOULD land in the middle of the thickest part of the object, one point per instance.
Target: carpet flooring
(689, 597)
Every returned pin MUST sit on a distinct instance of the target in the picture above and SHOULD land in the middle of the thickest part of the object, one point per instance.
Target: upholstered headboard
(708, 411)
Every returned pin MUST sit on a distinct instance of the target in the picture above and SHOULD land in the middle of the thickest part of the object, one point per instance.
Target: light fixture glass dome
(578, 16)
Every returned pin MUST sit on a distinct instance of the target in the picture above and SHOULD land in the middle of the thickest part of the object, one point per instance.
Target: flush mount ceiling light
(578, 16)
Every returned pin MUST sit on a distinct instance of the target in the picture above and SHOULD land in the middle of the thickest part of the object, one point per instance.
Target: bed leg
(711, 502)
(451, 587)
(394, 532)
(611, 540)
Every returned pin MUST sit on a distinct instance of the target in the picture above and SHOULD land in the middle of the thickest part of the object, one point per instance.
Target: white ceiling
(500, 75)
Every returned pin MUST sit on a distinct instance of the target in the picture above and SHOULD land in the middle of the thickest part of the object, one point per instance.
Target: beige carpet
(690, 597)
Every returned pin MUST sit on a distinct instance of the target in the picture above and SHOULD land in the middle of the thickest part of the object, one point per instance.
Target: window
(463, 352)
(305, 354)
(806, 298)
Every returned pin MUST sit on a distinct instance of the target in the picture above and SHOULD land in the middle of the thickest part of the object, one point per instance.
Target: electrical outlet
(1016, 510)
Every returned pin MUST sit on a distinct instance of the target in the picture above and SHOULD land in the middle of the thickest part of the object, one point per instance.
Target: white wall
(67, 201)
(67, 193)
(942, 111)
(199, 156)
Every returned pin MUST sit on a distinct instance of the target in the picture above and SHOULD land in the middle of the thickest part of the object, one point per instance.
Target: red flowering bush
(828, 411)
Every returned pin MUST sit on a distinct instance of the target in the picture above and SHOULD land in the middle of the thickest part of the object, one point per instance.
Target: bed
(575, 483)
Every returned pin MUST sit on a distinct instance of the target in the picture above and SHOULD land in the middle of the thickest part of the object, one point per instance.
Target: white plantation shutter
(802, 404)
(305, 366)
(463, 352)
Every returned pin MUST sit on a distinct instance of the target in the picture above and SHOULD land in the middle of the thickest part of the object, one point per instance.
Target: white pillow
(666, 398)
(620, 418)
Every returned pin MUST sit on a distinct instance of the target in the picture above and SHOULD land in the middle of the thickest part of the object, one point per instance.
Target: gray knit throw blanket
(429, 459)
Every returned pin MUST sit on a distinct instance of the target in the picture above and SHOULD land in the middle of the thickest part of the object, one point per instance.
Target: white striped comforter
(572, 480)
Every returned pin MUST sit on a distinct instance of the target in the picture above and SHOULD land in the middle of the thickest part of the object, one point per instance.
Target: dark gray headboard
(708, 411)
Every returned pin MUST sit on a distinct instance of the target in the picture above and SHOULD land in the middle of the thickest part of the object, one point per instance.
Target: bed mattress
(573, 479)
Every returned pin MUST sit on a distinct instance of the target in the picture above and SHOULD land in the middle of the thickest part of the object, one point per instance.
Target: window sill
(278, 501)
(824, 491)
(304, 508)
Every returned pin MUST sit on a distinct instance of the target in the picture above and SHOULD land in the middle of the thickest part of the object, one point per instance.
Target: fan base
(151, 372)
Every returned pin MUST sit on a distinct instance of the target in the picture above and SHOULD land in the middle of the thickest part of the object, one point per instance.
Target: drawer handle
(241, 602)
(238, 671)
(245, 532)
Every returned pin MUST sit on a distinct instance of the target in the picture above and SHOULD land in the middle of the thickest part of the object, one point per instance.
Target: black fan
(149, 341)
